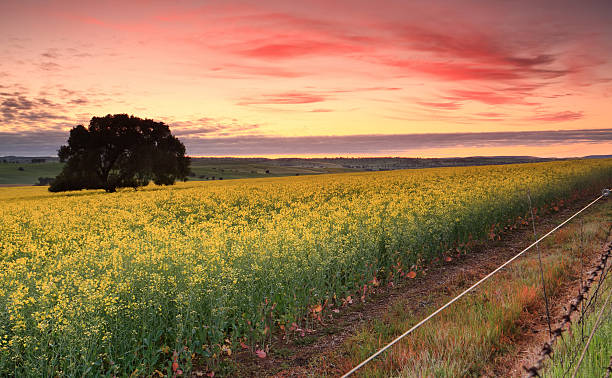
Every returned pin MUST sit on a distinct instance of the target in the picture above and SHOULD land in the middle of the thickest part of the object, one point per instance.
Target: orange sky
(220, 71)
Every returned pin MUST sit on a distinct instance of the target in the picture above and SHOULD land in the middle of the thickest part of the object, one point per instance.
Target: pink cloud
(473, 46)
(365, 89)
(441, 105)
(292, 49)
(359, 54)
(207, 127)
(238, 71)
(92, 21)
(286, 98)
(486, 97)
(491, 114)
(558, 117)
(296, 97)
(477, 71)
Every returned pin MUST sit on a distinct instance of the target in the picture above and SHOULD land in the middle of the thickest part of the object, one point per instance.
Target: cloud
(207, 127)
(16, 103)
(93, 21)
(282, 20)
(18, 110)
(385, 144)
(79, 101)
(74, 52)
(494, 67)
(298, 48)
(296, 97)
(15, 106)
(470, 71)
(471, 45)
(233, 71)
(469, 54)
(364, 89)
(451, 58)
(491, 114)
(32, 143)
(487, 97)
(457, 55)
(198, 143)
(280, 35)
(51, 54)
(49, 60)
(285, 98)
(49, 66)
(558, 117)
(441, 105)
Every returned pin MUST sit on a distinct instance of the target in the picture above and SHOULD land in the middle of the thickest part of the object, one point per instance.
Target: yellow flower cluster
(94, 283)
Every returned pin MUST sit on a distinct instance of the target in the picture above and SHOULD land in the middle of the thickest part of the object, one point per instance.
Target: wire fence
(609, 369)
(577, 313)
(546, 351)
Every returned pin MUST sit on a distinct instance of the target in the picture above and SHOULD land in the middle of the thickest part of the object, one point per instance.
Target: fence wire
(595, 281)
(609, 369)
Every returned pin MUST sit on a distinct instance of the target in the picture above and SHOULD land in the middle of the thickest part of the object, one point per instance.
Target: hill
(24, 170)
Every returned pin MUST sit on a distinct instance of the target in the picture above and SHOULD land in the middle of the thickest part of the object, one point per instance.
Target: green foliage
(568, 349)
(10, 175)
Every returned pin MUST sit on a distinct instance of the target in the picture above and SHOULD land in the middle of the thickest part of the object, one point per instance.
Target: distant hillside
(598, 157)
(29, 159)
(22, 171)
(27, 170)
(374, 163)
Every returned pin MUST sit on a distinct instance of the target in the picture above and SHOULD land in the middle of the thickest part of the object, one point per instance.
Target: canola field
(137, 281)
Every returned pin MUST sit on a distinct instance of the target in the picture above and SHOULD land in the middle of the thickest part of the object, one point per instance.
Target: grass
(568, 349)
(202, 170)
(465, 339)
(205, 170)
(11, 175)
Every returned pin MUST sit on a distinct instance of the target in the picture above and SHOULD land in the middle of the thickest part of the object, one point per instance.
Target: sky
(314, 78)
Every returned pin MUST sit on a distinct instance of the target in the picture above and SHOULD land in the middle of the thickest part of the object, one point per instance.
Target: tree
(44, 181)
(118, 151)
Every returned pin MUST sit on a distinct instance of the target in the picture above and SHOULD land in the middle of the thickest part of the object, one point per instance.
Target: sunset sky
(314, 78)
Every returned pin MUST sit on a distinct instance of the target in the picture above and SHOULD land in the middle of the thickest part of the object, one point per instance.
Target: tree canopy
(118, 151)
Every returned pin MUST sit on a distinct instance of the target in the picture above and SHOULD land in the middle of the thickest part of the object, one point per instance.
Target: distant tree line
(44, 181)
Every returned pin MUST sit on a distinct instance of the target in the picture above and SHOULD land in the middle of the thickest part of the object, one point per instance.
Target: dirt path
(297, 357)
